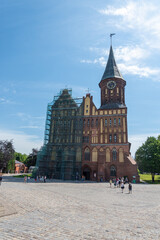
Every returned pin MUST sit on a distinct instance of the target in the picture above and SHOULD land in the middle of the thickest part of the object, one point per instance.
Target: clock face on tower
(111, 84)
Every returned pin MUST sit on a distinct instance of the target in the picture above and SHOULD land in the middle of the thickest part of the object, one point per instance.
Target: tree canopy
(16, 156)
(148, 156)
(31, 159)
(28, 160)
(6, 153)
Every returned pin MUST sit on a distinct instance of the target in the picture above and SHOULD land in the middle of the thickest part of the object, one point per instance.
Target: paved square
(70, 210)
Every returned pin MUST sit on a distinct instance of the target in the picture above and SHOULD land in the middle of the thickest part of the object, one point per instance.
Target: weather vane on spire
(111, 34)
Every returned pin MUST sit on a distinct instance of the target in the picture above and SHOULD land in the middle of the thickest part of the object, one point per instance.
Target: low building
(20, 167)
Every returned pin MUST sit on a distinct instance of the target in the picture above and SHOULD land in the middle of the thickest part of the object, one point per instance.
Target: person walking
(110, 182)
(0, 179)
(45, 179)
(122, 186)
(115, 182)
(130, 187)
(119, 182)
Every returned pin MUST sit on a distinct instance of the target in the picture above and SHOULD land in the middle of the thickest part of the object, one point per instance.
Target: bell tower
(112, 85)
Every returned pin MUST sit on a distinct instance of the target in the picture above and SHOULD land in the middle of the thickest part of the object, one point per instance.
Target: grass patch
(23, 175)
(148, 178)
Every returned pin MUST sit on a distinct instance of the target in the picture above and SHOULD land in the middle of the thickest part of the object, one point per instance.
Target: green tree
(31, 159)
(6, 153)
(148, 156)
(17, 156)
(20, 157)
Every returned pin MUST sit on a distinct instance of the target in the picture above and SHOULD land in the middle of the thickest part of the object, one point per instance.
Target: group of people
(120, 182)
(37, 178)
(26, 179)
(40, 179)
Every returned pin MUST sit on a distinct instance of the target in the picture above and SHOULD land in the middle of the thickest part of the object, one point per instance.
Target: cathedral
(83, 141)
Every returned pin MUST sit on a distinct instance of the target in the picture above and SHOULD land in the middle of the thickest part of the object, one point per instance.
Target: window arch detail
(114, 154)
(108, 155)
(94, 155)
(87, 154)
(121, 155)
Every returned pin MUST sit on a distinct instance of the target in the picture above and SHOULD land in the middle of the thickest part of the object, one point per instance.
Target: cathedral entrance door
(86, 173)
(113, 171)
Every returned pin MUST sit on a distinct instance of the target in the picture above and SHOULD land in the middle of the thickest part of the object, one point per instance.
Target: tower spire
(111, 70)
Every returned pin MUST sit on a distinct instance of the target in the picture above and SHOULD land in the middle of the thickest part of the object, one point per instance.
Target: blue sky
(46, 46)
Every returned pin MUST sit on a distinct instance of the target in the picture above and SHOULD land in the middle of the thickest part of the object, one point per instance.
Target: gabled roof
(111, 67)
(17, 162)
(65, 100)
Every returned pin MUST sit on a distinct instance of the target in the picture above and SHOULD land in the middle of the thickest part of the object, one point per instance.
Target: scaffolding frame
(61, 155)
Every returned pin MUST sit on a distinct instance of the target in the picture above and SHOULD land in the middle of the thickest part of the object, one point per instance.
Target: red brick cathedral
(81, 140)
(106, 150)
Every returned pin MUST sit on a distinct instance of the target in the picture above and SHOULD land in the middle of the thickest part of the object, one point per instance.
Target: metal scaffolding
(61, 155)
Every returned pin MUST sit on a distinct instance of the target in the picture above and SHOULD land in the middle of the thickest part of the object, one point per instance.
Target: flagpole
(111, 34)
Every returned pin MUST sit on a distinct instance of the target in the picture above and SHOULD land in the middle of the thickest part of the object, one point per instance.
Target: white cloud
(138, 70)
(137, 141)
(142, 17)
(129, 58)
(130, 54)
(28, 116)
(141, 20)
(6, 101)
(100, 60)
(31, 127)
(126, 11)
(127, 54)
(22, 142)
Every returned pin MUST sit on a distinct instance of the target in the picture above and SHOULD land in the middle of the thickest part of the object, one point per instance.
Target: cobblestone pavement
(79, 211)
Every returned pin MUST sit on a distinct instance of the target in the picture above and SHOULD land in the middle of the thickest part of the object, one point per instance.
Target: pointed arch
(66, 153)
(114, 154)
(121, 155)
(78, 155)
(108, 155)
(87, 154)
(94, 155)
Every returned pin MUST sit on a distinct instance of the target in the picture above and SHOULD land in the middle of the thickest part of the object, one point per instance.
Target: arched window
(108, 155)
(113, 171)
(114, 154)
(92, 123)
(119, 121)
(121, 155)
(78, 155)
(87, 154)
(94, 155)
(115, 138)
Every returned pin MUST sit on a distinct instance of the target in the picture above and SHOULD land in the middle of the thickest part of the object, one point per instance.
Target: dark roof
(111, 67)
(112, 106)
